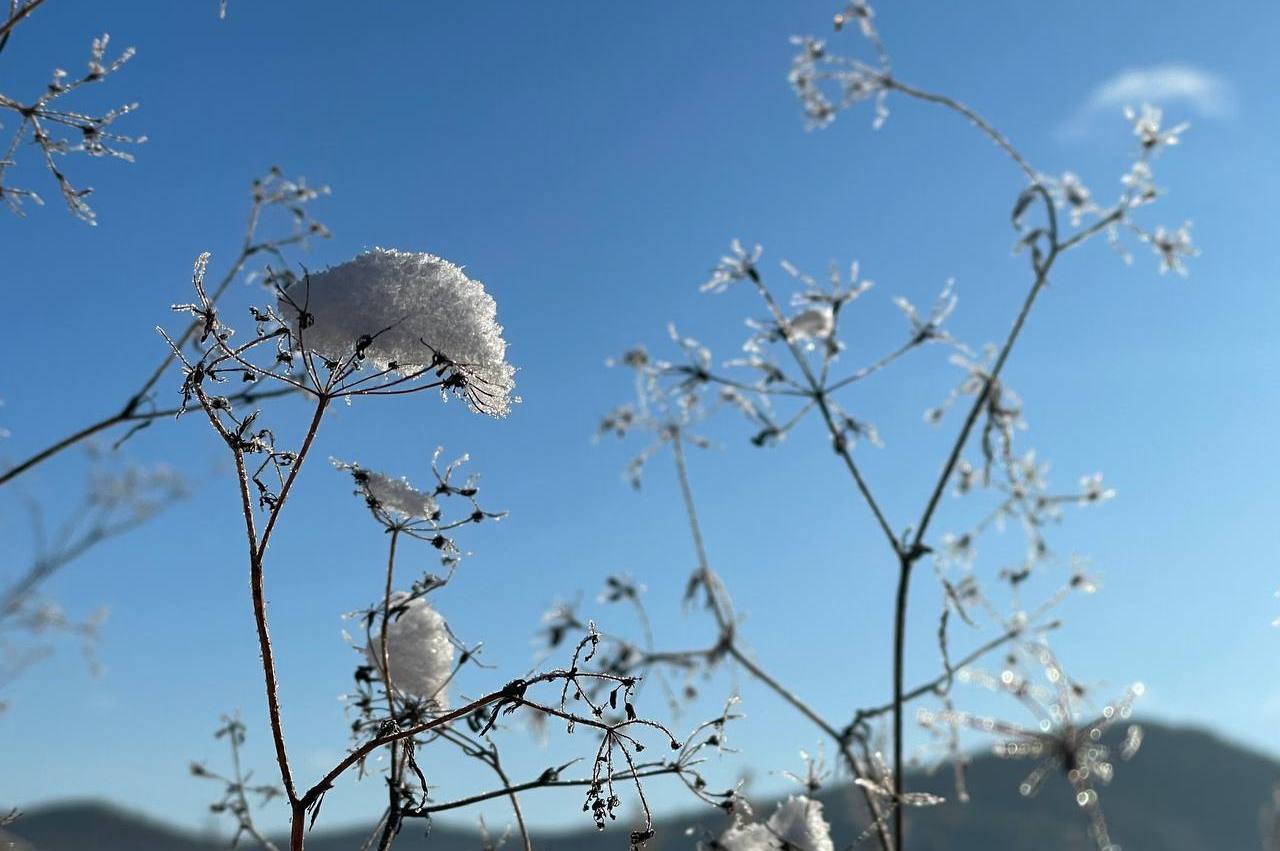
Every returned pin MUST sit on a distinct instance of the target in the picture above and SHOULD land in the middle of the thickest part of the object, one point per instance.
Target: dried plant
(391, 323)
(271, 197)
(791, 369)
(118, 498)
(56, 129)
(237, 787)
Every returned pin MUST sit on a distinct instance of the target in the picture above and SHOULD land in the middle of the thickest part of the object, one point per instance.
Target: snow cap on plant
(408, 313)
(796, 823)
(743, 836)
(392, 496)
(419, 651)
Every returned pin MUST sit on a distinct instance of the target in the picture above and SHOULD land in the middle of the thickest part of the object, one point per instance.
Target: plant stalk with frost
(361, 329)
(784, 365)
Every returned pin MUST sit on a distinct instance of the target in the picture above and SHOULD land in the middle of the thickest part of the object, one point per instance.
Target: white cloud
(1202, 93)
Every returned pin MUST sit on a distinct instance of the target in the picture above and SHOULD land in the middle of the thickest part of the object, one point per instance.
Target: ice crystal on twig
(1147, 127)
(737, 265)
(1171, 246)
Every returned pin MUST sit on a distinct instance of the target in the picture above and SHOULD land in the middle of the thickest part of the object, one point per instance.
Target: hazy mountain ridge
(1186, 791)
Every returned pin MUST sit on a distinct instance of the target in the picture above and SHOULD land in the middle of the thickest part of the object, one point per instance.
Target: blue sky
(589, 163)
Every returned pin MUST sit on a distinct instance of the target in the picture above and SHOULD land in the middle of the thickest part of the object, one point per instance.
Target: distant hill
(1186, 791)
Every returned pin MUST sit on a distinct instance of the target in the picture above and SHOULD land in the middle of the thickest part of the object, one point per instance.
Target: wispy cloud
(1201, 92)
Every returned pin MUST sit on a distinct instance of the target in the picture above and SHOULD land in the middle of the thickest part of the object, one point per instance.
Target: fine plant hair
(50, 122)
(790, 370)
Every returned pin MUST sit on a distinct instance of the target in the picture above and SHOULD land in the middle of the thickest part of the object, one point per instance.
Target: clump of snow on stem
(742, 836)
(419, 650)
(796, 823)
(395, 496)
(408, 313)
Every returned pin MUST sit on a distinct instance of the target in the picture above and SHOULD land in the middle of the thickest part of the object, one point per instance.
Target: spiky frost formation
(406, 312)
(395, 496)
(419, 651)
(796, 823)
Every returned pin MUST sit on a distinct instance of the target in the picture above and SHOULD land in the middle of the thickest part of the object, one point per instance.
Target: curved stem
(386, 614)
(722, 612)
(322, 404)
(987, 129)
(67, 442)
(16, 19)
(933, 685)
(127, 415)
(129, 412)
(540, 783)
(1042, 277)
(393, 783)
(315, 792)
(270, 679)
(489, 756)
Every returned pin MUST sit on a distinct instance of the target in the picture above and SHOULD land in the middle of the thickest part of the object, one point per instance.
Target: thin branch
(16, 18)
(728, 644)
(974, 118)
(126, 415)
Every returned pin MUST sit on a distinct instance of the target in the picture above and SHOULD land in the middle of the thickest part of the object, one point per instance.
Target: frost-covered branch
(273, 194)
(56, 130)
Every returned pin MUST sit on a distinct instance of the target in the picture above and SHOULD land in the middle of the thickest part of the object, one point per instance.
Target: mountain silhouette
(1187, 790)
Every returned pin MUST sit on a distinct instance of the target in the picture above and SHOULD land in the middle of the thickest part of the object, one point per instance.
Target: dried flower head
(1075, 196)
(1147, 127)
(1171, 246)
(405, 312)
(737, 265)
